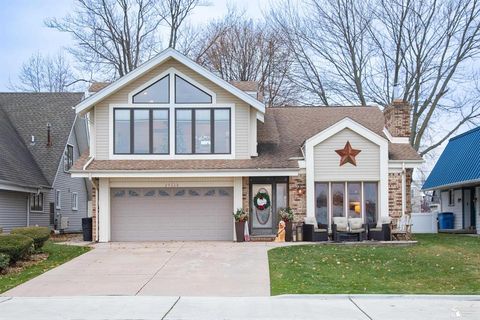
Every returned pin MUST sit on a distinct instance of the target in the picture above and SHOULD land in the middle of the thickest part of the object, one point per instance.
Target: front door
(267, 197)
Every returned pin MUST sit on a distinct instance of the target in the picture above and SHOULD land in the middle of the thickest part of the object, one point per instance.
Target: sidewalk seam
(9, 298)
(358, 307)
(171, 308)
(159, 269)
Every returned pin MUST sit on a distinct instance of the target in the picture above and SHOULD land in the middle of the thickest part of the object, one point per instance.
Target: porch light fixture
(300, 190)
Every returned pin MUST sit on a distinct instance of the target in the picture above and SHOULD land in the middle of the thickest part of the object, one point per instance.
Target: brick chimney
(397, 118)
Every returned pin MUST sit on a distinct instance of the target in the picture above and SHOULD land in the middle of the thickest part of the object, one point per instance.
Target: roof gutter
(454, 184)
(9, 185)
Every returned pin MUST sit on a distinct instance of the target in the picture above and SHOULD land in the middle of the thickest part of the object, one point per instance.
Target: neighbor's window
(159, 92)
(36, 202)
(202, 131)
(141, 131)
(451, 197)
(74, 201)
(68, 158)
(185, 92)
(58, 199)
(321, 202)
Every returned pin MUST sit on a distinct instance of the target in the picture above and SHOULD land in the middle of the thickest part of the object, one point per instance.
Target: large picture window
(202, 131)
(347, 199)
(141, 131)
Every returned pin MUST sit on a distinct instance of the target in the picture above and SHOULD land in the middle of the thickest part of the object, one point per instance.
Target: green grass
(438, 264)
(57, 255)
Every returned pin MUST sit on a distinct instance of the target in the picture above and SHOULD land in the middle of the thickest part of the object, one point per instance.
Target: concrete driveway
(166, 269)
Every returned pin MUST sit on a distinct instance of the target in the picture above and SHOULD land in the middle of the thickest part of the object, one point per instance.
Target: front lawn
(438, 264)
(57, 255)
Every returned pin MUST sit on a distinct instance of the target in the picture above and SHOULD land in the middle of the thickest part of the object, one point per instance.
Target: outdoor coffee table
(348, 236)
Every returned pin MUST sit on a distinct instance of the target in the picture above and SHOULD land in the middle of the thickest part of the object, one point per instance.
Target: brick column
(246, 194)
(395, 193)
(297, 201)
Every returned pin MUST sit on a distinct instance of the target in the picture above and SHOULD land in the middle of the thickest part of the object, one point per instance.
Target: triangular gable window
(185, 92)
(155, 93)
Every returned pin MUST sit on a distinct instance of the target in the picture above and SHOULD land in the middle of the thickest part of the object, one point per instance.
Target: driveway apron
(158, 268)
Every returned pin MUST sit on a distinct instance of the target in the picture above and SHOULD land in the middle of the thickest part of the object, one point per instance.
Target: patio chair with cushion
(357, 227)
(340, 224)
(380, 231)
(313, 231)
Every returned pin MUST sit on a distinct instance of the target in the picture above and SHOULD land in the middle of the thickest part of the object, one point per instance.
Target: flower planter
(288, 231)
(240, 231)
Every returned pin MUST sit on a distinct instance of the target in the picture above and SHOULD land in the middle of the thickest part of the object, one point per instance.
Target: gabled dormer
(172, 108)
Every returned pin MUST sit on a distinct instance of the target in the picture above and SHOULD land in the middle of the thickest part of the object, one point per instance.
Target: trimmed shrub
(16, 246)
(4, 261)
(38, 234)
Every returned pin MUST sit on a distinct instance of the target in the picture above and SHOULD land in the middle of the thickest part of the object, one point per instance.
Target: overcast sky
(23, 33)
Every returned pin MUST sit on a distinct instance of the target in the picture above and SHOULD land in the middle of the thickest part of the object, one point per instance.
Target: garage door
(150, 214)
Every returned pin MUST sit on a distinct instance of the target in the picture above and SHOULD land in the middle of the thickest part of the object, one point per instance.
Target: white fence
(424, 222)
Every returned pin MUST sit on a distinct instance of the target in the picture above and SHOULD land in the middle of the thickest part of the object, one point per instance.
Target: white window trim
(30, 204)
(58, 199)
(75, 203)
(171, 155)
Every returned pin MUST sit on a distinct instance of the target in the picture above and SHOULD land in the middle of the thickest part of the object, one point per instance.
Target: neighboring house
(456, 179)
(175, 150)
(40, 138)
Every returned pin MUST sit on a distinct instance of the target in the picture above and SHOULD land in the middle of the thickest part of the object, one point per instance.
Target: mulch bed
(20, 265)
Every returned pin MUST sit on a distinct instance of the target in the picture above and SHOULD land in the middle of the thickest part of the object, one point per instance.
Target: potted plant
(240, 217)
(286, 214)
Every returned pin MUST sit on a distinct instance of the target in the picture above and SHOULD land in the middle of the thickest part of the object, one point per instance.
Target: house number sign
(171, 185)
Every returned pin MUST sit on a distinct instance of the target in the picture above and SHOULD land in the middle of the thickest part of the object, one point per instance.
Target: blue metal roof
(459, 162)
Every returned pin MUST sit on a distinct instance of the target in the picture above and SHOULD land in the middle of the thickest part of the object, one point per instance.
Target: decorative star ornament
(348, 154)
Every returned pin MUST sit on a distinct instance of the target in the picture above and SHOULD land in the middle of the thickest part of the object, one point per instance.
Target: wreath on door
(261, 201)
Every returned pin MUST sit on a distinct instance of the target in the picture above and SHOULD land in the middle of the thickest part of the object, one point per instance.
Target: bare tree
(175, 13)
(240, 49)
(45, 74)
(375, 51)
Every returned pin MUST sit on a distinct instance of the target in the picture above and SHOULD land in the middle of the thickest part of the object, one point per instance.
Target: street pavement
(349, 307)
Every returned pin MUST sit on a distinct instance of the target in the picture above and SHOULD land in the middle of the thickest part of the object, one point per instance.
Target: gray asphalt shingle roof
(25, 115)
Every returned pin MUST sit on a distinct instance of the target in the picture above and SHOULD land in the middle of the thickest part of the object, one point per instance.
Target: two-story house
(40, 138)
(174, 150)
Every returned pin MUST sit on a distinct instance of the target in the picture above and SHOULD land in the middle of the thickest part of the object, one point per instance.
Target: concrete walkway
(158, 268)
(280, 307)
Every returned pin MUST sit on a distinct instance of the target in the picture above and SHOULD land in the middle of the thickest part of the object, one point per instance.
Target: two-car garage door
(160, 214)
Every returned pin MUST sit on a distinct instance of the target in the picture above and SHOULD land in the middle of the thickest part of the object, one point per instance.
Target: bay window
(202, 131)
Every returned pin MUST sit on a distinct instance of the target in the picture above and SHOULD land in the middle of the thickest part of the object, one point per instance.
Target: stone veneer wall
(246, 194)
(298, 201)
(395, 193)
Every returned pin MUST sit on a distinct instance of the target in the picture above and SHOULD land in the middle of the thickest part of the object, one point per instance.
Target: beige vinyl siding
(326, 160)
(121, 97)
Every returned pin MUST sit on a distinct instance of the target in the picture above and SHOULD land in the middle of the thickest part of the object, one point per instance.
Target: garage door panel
(172, 214)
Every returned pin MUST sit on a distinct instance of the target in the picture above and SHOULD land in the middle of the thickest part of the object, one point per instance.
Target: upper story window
(68, 158)
(185, 92)
(141, 131)
(158, 92)
(202, 131)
